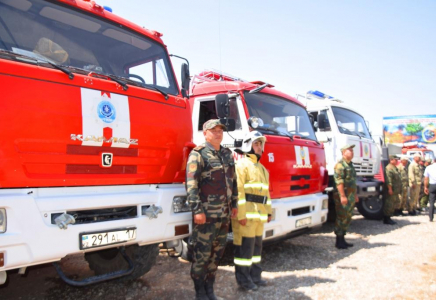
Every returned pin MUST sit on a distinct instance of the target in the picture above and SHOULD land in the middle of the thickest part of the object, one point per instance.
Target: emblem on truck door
(302, 157)
(106, 159)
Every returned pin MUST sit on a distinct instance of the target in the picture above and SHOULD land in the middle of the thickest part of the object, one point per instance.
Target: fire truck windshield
(350, 122)
(83, 43)
(280, 116)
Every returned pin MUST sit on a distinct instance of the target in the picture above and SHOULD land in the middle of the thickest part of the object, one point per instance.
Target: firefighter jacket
(211, 181)
(415, 173)
(253, 189)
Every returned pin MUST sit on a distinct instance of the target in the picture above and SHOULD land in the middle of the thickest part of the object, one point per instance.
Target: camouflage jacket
(415, 173)
(404, 175)
(211, 181)
(393, 178)
(345, 174)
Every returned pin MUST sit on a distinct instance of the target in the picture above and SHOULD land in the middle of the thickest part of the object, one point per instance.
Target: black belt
(256, 198)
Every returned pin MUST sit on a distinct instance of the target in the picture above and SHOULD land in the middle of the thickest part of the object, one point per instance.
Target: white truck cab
(337, 125)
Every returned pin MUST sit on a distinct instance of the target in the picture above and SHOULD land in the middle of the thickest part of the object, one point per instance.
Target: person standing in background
(402, 168)
(345, 195)
(393, 188)
(430, 187)
(415, 179)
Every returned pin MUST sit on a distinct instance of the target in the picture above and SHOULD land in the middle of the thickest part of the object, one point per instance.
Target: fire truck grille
(301, 211)
(100, 215)
(363, 168)
(298, 187)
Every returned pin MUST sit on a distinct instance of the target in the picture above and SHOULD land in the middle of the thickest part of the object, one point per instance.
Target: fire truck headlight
(325, 204)
(255, 122)
(180, 204)
(2, 220)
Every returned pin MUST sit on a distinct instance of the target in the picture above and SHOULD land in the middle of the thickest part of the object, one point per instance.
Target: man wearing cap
(415, 179)
(212, 194)
(254, 209)
(344, 194)
(423, 195)
(393, 188)
(430, 187)
(402, 168)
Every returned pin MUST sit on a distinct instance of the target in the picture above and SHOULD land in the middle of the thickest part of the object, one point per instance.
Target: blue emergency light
(107, 8)
(319, 94)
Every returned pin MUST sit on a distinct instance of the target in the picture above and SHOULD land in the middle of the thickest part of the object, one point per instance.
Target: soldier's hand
(234, 213)
(269, 219)
(200, 219)
(356, 198)
(344, 200)
(391, 192)
(243, 222)
(426, 191)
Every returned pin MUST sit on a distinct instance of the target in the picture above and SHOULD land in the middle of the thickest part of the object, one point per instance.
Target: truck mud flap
(98, 278)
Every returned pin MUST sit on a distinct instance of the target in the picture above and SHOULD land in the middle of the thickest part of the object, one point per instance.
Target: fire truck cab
(293, 156)
(91, 160)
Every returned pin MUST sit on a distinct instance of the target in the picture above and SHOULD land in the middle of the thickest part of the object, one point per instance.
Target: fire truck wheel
(371, 208)
(182, 249)
(111, 260)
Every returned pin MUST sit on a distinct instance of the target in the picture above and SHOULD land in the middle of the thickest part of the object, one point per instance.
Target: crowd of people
(410, 187)
(221, 193)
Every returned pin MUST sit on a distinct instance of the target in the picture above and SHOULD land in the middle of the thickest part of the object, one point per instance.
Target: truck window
(282, 115)
(350, 122)
(82, 43)
(208, 111)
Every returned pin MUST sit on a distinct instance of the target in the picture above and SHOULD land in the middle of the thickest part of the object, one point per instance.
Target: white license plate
(371, 189)
(99, 239)
(303, 222)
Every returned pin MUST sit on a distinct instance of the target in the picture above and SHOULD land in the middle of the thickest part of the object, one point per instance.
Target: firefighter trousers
(247, 241)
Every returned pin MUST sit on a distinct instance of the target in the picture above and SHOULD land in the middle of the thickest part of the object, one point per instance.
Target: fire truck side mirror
(186, 77)
(222, 105)
(321, 120)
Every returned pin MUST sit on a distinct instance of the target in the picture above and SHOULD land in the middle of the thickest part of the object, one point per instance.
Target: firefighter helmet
(250, 138)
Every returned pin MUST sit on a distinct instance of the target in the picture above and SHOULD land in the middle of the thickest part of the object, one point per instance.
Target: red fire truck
(91, 160)
(293, 156)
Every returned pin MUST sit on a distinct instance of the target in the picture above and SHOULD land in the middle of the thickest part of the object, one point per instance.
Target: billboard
(402, 129)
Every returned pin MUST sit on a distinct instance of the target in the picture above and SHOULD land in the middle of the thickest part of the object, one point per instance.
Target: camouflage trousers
(390, 203)
(209, 244)
(344, 213)
(403, 199)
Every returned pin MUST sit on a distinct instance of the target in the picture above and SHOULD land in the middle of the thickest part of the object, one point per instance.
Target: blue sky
(378, 56)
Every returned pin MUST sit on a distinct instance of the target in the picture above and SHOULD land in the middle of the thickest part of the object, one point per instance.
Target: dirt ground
(386, 262)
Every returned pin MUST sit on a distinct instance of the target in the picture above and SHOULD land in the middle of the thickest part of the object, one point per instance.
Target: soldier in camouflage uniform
(415, 179)
(423, 196)
(405, 186)
(344, 195)
(212, 194)
(393, 188)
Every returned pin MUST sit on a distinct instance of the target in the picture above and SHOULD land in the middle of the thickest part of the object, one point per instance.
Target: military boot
(208, 285)
(200, 292)
(388, 221)
(340, 242)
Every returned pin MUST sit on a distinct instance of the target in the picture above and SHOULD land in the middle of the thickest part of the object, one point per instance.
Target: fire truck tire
(182, 249)
(111, 260)
(371, 208)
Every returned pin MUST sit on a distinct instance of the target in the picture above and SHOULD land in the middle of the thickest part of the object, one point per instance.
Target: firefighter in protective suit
(254, 209)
